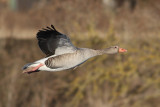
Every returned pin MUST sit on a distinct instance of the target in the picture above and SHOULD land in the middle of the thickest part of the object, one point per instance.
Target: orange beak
(122, 50)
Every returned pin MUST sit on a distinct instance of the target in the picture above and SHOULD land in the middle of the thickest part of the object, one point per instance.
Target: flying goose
(61, 54)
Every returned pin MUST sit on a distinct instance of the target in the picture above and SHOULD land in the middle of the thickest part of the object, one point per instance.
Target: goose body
(61, 54)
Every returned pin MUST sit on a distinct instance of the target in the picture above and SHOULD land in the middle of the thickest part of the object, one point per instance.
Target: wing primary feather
(53, 42)
(44, 29)
(53, 27)
(49, 28)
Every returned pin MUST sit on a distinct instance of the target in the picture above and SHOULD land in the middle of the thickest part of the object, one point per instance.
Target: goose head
(114, 50)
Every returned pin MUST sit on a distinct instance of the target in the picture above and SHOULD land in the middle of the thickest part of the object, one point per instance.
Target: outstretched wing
(52, 42)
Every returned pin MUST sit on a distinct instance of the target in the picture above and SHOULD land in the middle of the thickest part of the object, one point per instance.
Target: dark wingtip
(49, 28)
(53, 27)
(46, 31)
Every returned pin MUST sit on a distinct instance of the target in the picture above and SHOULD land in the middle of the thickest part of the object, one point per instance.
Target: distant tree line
(22, 5)
(114, 4)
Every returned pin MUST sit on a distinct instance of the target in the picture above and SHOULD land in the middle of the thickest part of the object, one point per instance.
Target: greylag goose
(61, 54)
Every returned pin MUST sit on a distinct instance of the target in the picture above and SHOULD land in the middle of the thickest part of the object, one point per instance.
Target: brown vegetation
(122, 80)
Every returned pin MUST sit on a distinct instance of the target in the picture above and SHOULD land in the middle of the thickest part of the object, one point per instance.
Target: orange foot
(32, 69)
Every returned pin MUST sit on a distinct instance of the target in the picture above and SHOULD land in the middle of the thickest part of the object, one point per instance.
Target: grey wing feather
(53, 42)
(50, 63)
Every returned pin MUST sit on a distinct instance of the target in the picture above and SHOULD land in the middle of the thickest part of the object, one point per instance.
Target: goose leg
(32, 69)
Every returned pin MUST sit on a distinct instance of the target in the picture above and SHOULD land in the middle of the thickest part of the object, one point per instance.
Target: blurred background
(131, 79)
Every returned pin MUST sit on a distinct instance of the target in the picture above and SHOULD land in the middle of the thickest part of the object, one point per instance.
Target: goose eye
(115, 47)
